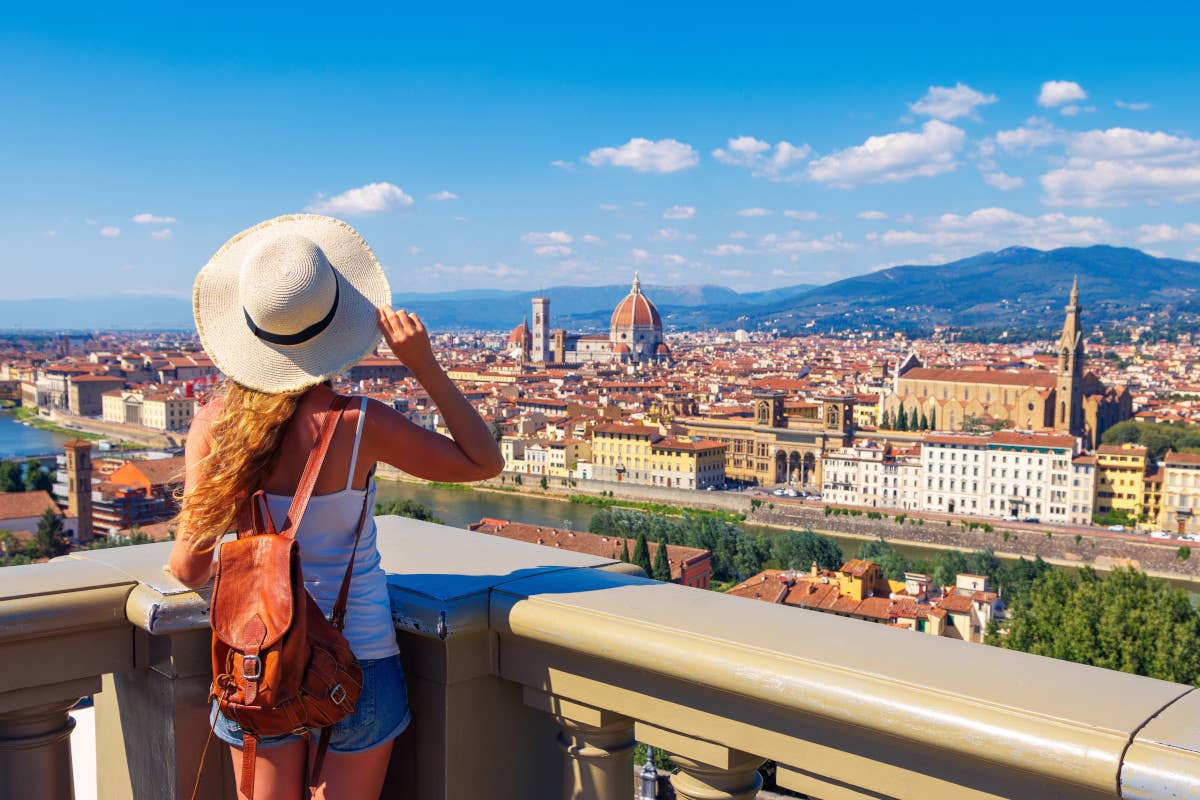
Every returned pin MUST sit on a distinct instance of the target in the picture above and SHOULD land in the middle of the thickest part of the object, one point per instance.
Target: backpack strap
(312, 468)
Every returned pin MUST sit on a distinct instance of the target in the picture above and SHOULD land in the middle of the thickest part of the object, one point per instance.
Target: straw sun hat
(289, 302)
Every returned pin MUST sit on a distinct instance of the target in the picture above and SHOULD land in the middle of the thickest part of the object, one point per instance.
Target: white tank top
(326, 537)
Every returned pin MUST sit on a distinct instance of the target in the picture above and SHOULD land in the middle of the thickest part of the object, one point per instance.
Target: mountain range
(1018, 287)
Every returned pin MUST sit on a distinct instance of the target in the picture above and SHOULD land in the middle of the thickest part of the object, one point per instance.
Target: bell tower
(541, 330)
(1068, 393)
(79, 487)
(768, 409)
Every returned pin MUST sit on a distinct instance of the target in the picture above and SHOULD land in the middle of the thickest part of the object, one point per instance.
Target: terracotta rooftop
(18, 505)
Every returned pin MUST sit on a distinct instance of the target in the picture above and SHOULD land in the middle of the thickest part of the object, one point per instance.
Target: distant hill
(1013, 287)
(1018, 288)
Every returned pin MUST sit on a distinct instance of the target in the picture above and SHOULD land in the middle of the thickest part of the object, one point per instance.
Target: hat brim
(266, 367)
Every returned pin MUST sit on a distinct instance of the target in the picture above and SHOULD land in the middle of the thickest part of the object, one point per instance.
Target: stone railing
(532, 671)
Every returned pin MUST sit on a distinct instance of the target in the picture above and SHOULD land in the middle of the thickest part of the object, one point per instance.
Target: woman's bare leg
(278, 771)
(354, 776)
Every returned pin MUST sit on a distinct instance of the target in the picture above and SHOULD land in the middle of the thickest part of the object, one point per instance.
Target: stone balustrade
(532, 671)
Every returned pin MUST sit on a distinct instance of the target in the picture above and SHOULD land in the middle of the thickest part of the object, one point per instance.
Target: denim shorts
(381, 714)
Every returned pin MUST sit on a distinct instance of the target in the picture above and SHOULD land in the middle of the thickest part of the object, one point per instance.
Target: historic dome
(519, 334)
(636, 309)
(621, 349)
(662, 349)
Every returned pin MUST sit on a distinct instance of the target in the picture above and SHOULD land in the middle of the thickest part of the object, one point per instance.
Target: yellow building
(1120, 478)
(687, 463)
(642, 454)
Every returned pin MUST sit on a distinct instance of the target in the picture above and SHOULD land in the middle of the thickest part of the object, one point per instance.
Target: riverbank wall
(117, 430)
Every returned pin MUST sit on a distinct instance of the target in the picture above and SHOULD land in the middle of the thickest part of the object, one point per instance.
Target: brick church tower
(79, 487)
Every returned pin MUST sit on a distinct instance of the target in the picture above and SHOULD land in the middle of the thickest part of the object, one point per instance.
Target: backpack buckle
(337, 694)
(251, 668)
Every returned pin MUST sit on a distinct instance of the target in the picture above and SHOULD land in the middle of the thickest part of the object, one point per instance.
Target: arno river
(23, 440)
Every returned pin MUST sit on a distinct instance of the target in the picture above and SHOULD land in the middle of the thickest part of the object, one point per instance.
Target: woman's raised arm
(471, 455)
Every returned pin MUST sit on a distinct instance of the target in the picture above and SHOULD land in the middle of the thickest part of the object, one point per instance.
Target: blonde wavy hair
(246, 436)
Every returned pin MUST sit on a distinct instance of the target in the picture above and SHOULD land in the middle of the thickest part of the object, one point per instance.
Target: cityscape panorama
(683, 403)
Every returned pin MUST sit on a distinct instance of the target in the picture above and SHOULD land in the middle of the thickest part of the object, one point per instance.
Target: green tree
(544, 483)
(913, 421)
(901, 419)
(48, 540)
(625, 551)
(661, 570)
(886, 424)
(1125, 621)
(892, 564)
(406, 508)
(497, 432)
(950, 565)
(933, 419)
(924, 422)
(10, 477)
(641, 554)
(36, 478)
(798, 550)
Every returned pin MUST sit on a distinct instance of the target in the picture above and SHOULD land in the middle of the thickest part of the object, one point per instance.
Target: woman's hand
(405, 334)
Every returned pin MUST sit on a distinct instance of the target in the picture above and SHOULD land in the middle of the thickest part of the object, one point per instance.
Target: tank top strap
(362, 415)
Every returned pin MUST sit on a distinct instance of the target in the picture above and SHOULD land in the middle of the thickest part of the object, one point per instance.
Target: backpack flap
(254, 580)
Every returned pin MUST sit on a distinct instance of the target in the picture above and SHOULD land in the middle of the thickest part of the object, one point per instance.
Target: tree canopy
(1125, 621)
(1157, 437)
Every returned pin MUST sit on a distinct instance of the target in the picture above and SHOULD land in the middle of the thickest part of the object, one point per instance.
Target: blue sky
(749, 145)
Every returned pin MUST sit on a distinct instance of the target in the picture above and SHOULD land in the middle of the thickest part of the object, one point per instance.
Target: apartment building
(1002, 474)
(642, 454)
(1121, 471)
(1083, 490)
(164, 411)
(872, 474)
(1180, 493)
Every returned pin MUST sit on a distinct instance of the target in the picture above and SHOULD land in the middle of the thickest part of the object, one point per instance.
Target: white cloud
(162, 234)
(951, 102)
(1003, 182)
(643, 155)
(803, 216)
(552, 251)
(498, 270)
(1035, 133)
(444, 194)
(1057, 93)
(736, 273)
(110, 231)
(549, 237)
(369, 199)
(611, 208)
(872, 215)
(680, 212)
(588, 238)
(763, 159)
(893, 157)
(1120, 166)
(665, 235)
(754, 212)
(1000, 227)
(1154, 234)
(151, 219)
(623, 237)
(563, 165)
(738, 235)
(638, 254)
(50, 233)
(415, 251)
(1136, 106)
(726, 250)
(795, 242)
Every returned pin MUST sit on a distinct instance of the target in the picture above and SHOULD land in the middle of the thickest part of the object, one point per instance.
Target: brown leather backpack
(279, 666)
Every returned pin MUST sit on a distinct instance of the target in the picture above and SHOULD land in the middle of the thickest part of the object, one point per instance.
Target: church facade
(635, 335)
(1069, 399)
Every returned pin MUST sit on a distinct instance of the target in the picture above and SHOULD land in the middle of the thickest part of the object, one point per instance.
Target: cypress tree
(886, 424)
(913, 422)
(625, 551)
(901, 419)
(924, 422)
(662, 567)
(641, 554)
(933, 419)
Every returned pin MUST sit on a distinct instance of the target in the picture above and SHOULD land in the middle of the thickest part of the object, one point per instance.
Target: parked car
(1033, 520)
(789, 492)
(1116, 527)
(1160, 534)
(778, 492)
